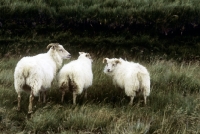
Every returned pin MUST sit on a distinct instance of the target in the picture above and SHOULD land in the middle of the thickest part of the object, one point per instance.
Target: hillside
(165, 27)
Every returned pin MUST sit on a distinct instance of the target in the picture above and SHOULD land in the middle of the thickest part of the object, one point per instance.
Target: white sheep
(76, 76)
(130, 76)
(36, 73)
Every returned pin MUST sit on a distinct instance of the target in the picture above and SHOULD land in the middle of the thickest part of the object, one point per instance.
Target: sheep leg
(145, 99)
(19, 101)
(63, 95)
(44, 97)
(30, 107)
(39, 99)
(85, 94)
(131, 100)
(74, 98)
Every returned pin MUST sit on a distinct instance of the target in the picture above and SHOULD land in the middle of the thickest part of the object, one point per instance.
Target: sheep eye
(61, 50)
(113, 65)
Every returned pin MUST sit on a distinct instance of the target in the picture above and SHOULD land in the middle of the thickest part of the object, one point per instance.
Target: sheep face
(64, 54)
(87, 55)
(111, 64)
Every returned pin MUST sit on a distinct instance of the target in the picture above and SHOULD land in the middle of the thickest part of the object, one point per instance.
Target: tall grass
(105, 11)
(130, 28)
(164, 13)
(155, 27)
(172, 107)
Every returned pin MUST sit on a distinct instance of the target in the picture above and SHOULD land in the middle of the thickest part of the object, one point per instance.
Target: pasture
(172, 107)
(127, 28)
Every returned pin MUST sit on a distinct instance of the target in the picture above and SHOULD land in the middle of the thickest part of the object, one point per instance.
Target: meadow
(172, 107)
(162, 35)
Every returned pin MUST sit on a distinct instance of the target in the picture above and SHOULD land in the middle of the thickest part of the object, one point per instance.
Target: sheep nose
(108, 70)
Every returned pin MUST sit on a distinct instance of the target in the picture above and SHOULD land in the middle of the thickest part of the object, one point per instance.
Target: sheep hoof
(18, 109)
(30, 112)
(130, 104)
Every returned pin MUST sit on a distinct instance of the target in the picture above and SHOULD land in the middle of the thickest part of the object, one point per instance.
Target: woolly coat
(76, 75)
(36, 72)
(130, 76)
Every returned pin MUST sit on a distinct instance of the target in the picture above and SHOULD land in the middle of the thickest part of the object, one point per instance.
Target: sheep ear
(117, 61)
(88, 55)
(80, 53)
(53, 47)
(105, 60)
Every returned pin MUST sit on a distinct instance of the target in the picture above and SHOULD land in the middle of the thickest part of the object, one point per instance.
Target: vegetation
(163, 35)
(169, 27)
(173, 106)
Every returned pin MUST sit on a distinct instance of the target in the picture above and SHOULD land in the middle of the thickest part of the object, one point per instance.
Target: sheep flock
(34, 74)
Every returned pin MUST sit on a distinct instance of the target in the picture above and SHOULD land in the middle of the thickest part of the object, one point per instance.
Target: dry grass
(173, 106)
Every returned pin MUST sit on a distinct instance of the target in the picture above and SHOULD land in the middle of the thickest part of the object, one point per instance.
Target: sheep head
(87, 55)
(111, 64)
(59, 49)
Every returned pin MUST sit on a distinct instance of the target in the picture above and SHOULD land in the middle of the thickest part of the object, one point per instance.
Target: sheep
(35, 74)
(130, 76)
(76, 76)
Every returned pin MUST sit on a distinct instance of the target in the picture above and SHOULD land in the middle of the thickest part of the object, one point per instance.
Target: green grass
(99, 9)
(138, 30)
(168, 27)
(172, 107)
(159, 15)
(179, 48)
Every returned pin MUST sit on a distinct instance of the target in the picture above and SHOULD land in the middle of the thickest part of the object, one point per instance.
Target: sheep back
(77, 75)
(130, 76)
(37, 72)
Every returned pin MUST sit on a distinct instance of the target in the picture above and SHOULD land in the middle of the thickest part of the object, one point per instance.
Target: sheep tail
(20, 79)
(144, 80)
(25, 73)
(64, 85)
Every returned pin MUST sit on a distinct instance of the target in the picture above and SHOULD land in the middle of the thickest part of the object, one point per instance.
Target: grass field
(130, 28)
(173, 106)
